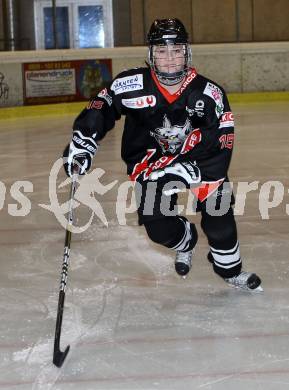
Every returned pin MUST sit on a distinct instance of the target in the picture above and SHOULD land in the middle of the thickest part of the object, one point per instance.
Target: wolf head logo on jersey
(171, 137)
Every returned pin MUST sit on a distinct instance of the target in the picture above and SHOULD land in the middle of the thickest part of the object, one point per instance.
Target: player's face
(169, 58)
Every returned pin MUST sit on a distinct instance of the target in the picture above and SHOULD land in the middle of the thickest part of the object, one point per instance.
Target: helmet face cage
(174, 77)
(169, 35)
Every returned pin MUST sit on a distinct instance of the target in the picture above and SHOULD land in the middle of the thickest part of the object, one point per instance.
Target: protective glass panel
(62, 28)
(91, 26)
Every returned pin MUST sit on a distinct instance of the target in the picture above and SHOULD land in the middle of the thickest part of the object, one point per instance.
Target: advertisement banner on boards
(64, 81)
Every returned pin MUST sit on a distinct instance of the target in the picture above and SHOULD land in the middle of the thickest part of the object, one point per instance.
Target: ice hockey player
(178, 131)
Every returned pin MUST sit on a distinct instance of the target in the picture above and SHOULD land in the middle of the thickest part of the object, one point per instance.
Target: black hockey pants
(177, 233)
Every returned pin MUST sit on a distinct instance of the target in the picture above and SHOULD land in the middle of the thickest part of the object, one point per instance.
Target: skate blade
(258, 289)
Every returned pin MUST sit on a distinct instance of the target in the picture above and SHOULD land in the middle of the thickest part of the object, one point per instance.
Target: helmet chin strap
(170, 79)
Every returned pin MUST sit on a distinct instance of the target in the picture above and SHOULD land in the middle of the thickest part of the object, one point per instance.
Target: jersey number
(227, 141)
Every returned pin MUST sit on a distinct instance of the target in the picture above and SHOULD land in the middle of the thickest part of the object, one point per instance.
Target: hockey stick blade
(59, 356)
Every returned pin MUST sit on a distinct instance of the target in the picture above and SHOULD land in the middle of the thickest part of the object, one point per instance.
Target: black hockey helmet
(165, 31)
(168, 32)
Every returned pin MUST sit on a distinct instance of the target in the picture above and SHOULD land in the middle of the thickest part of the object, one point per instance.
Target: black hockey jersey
(194, 123)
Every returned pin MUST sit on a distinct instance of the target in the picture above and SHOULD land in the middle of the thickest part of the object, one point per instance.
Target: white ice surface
(131, 322)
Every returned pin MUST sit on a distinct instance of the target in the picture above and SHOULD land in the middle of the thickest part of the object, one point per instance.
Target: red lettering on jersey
(187, 81)
(150, 100)
(159, 164)
(227, 117)
(147, 168)
(141, 166)
(191, 141)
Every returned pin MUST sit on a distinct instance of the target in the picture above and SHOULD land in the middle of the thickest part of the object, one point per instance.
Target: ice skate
(246, 281)
(183, 263)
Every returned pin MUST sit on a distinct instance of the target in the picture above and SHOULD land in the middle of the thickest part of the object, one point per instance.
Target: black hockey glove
(185, 172)
(81, 150)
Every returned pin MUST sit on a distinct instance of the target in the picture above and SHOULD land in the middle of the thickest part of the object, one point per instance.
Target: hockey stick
(58, 355)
